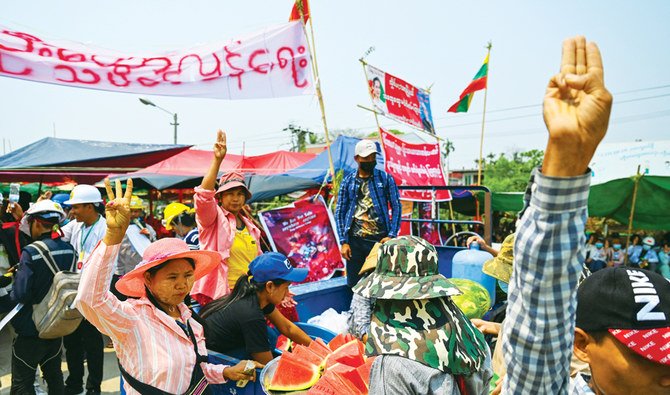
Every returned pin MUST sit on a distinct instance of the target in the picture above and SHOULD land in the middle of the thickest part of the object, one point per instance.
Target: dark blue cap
(275, 266)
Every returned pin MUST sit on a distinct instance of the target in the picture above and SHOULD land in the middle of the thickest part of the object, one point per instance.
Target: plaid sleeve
(396, 209)
(540, 321)
(341, 210)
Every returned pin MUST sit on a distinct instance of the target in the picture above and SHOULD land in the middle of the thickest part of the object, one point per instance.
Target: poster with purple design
(305, 232)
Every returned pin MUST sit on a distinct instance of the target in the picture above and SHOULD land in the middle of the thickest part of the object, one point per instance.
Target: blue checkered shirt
(383, 191)
(548, 256)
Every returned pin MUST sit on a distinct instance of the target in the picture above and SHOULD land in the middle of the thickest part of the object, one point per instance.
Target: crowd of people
(642, 252)
(581, 318)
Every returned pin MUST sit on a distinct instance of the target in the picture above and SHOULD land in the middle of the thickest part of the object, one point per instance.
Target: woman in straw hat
(160, 345)
(224, 228)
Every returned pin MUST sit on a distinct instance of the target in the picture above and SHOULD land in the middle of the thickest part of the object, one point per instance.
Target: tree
(300, 137)
(510, 173)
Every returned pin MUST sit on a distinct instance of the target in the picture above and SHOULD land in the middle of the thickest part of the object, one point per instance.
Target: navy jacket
(384, 193)
(33, 280)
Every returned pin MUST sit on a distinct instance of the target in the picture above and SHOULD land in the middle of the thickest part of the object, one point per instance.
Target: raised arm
(220, 149)
(548, 249)
(206, 206)
(94, 300)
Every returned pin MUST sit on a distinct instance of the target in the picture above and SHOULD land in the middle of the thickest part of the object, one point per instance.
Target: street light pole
(175, 128)
(174, 115)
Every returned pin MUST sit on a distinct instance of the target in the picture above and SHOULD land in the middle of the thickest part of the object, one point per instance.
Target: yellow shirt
(242, 252)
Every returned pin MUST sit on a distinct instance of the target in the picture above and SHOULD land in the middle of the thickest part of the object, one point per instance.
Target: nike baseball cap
(631, 304)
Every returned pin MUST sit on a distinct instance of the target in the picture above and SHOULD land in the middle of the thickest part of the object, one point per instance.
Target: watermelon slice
(351, 354)
(327, 385)
(284, 343)
(364, 371)
(303, 352)
(319, 348)
(293, 373)
(350, 374)
(338, 341)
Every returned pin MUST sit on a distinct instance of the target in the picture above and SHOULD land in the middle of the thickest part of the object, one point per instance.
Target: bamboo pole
(636, 182)
(481, 139)
(317, 80)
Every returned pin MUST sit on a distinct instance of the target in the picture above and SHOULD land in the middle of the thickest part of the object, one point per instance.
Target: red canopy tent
(181, 169)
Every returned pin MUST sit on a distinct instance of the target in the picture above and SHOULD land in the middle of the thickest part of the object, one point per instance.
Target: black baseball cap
(631, 304)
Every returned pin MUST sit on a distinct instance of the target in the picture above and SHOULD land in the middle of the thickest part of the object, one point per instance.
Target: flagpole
(481, 139)
(317, 79)
(632, 209)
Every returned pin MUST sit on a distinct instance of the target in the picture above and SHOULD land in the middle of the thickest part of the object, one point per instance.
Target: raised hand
(45, 196)
(117, 211)
(576, 109)
(220, 146)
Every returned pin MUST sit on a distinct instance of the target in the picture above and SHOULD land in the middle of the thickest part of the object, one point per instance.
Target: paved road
(110, 384)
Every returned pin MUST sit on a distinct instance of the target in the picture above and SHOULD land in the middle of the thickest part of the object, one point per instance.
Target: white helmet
(649, 241)
(45, 209)
(84, 194)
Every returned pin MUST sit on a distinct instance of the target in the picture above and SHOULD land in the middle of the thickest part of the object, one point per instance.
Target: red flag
(295, 12)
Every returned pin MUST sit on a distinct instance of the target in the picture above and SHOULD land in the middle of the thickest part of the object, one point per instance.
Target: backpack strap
(44, 252)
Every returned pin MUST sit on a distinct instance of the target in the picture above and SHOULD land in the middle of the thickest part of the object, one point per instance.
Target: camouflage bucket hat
(406, 269)
(433, 332)
(501, 267)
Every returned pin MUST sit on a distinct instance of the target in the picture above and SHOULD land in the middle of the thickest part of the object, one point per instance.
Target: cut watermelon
(350, 374)
(338, 341)
(364, 371)
(284, 343)
(304, 352)
(293, 374)
(351, 354)
(319, 348)
(327, 385)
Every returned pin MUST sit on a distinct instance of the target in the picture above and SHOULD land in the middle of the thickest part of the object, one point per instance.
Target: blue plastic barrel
(468, 264)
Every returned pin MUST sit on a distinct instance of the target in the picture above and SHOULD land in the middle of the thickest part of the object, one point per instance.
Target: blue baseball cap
(275, 266)
(60, 198)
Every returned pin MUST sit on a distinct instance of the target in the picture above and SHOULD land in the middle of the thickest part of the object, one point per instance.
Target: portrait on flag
(400, 100)
(414, 165)
(304, 231)
(273, 62)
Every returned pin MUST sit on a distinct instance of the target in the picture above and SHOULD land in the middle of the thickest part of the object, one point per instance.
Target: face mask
(617, 246)
(646, 247)
(368, 166)
(599, 245)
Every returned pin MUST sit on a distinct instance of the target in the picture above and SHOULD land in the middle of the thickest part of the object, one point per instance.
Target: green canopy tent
(614, 199)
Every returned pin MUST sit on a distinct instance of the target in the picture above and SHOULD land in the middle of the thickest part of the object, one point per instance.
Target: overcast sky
(424, 42)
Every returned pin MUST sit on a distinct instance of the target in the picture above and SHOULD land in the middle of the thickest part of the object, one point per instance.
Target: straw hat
(232, 180)
(132, 284)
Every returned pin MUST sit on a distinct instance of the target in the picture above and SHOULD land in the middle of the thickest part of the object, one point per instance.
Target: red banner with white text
(414, 165)
(400, 100)
(274, 62)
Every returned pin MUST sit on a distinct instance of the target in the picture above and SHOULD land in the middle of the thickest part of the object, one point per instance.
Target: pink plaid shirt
(216, 227)
(150, 345)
